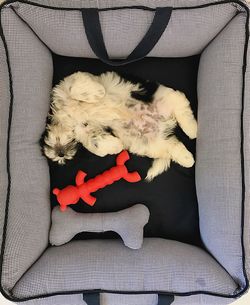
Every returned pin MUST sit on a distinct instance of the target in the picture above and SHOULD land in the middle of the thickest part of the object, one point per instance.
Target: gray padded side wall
(112, 3)
(105, 299)
(74, 299)
(160, 265)
(4, 106)
(218, 162)
(201, 299)
(123, 29)
(125, 299)
(29, 213)
(118, 299)
(247, 163)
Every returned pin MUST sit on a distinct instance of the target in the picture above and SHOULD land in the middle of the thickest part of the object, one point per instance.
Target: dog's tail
(158, 167)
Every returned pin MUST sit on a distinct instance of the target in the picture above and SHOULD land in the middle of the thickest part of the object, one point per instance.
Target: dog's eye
(48, 146)
(71, 144)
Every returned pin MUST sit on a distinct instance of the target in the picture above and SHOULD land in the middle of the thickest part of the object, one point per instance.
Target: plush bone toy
(128, 223)
(71, 194)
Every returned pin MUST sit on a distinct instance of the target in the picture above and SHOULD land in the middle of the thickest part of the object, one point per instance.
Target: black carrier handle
(92, 26)
(94, 299)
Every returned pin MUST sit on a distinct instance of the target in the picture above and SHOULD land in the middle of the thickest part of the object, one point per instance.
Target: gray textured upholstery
(183, 39)
(160, 264)
(74, 299)
(113, 3)
(218, 162)
(105, 299)
(29, 213)
(118, 299)
(4, 106)
(126, 299)
(123, 299)
(247, 166)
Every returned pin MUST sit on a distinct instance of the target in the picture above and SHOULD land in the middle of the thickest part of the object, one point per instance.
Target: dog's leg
(169, 102)
(99, 142)
(163, 151)
(184, 115)
(106, 144)
(179, 152)
(80, 86)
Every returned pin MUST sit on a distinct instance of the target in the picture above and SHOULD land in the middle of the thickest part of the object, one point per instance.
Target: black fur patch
(42, 141)
(45, 133)
(108, 129)
(147, 88)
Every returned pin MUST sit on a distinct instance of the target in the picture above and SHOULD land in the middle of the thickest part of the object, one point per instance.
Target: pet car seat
(196, 244)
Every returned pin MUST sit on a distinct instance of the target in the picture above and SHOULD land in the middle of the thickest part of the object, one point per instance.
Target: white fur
(84, 104)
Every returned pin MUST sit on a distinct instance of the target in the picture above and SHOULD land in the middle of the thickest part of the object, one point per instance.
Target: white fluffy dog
(108, 113)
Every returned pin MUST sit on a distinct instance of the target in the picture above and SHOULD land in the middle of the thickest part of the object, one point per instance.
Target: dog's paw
(158, 167)
(150, 176)
(111, 146)
(107, 146)
(85, 87)
(181, 155)
(192, 131)
(186, 159)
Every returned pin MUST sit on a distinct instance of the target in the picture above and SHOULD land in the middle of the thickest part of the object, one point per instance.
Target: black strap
(94, 35)
(164, 299)
(94, 299)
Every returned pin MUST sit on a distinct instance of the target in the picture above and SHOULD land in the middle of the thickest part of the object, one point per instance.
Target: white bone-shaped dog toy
(128, 223)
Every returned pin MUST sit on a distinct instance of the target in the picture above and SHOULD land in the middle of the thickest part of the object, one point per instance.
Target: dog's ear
(85, 87)
(98, 92)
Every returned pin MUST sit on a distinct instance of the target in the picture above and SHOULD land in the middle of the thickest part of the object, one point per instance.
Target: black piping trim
(12, 298)
(137, 7)
(7, 152)
(244, 68)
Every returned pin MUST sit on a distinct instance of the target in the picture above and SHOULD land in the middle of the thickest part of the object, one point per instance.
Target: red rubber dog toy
(71, 194)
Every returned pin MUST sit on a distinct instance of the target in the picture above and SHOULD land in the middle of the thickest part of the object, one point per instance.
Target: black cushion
(171, 197)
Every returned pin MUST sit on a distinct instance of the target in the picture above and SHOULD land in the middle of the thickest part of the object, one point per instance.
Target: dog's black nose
(61, 154)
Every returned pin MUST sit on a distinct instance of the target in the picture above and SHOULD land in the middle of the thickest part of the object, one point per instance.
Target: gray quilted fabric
(159, 265)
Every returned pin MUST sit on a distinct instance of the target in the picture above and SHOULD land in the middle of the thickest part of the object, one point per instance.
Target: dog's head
(58, 143)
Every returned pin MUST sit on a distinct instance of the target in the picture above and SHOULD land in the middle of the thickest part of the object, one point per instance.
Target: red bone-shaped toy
(71, 194)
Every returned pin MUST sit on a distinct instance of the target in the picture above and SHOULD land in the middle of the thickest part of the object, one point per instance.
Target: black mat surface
(171, 197)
